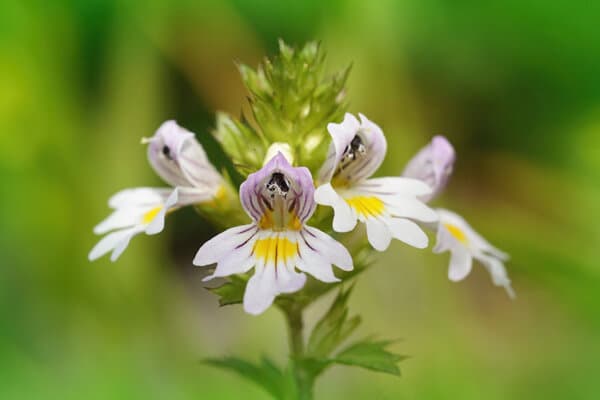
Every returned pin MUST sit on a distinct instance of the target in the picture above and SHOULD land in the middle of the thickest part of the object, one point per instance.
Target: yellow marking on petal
(456, 232)
(295, 224)
(221, 193)
(339, 181)
(149, 216)
(267, 221)
(218, 198)
(367, 206)
(275, 249)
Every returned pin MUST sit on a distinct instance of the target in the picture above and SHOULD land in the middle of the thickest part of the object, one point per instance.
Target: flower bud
(432, 165)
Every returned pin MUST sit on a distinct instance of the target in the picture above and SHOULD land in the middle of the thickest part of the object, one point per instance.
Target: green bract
(291, 100)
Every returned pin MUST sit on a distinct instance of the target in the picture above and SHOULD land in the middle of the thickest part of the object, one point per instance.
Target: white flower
(140, 210)
(456, 235)
(386, 205)
(180, 160)
(279, 198)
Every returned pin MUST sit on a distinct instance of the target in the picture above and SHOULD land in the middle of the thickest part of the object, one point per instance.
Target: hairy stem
(304, 380)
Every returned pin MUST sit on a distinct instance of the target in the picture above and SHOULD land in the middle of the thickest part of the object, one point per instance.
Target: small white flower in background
(280, 199)
(464, 244)
(140, 210)
(432, 165)
(386, 205)
(180, 160)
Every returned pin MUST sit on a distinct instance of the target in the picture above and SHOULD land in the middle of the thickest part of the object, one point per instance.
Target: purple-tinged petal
(279, 195)
(179, 159)
(356, 151)
(432, 164)
(219, 246)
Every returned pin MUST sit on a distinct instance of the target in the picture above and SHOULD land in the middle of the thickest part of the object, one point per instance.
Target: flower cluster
(280, 199)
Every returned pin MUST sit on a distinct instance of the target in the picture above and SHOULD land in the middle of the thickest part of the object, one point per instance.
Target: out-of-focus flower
(456, 235)
(385, 205)
(279, 199)
(140, 210)
(432, 165)
(180, 160)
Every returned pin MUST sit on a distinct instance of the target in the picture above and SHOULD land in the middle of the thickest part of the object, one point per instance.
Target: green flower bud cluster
(291, 100)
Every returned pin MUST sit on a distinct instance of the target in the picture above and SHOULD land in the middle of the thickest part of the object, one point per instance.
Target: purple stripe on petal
(280, 191)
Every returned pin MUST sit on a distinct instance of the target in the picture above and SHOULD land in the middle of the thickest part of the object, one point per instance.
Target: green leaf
(370, 355)
(231, 292)
(266, 375)
(333, 328)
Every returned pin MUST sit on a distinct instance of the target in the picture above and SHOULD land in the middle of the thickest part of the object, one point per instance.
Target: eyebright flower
(454, 234)
(432, 165)
(385, 205)
(180, 160)
(279, 199)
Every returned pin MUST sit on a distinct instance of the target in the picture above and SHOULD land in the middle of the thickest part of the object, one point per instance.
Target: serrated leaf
(266, 375)
(370, 355)
(231, 292)
(333, 328)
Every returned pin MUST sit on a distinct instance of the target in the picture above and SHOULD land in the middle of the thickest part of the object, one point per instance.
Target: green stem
(304, 380)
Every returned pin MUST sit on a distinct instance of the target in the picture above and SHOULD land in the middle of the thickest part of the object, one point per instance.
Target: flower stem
(304, 380)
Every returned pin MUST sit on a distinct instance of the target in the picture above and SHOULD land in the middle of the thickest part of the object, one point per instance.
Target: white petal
(326, 195)
(333, 250)
(238, 261)
(498, 272)
(475, 240)
(122, 245)
(410, 208)
(314, 264)
(341, 136)
(119, 219)
(143, 196)
(343, 133)
(288, 280)
(260, 291)
(218, 247)
(407, 186)
(460, 264)
(195, 195)
(158, 222)
(408, 232)
(111, 241)
(444, 240)
(378, 233)
(344, 218)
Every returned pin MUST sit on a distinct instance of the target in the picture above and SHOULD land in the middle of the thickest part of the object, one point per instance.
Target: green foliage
(232, 291)
(245, 147)
(333, 328)
(279, 383)
(291, 101)
(371, 355)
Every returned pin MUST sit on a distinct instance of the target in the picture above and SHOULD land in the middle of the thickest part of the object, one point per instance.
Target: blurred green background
(513, 84)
